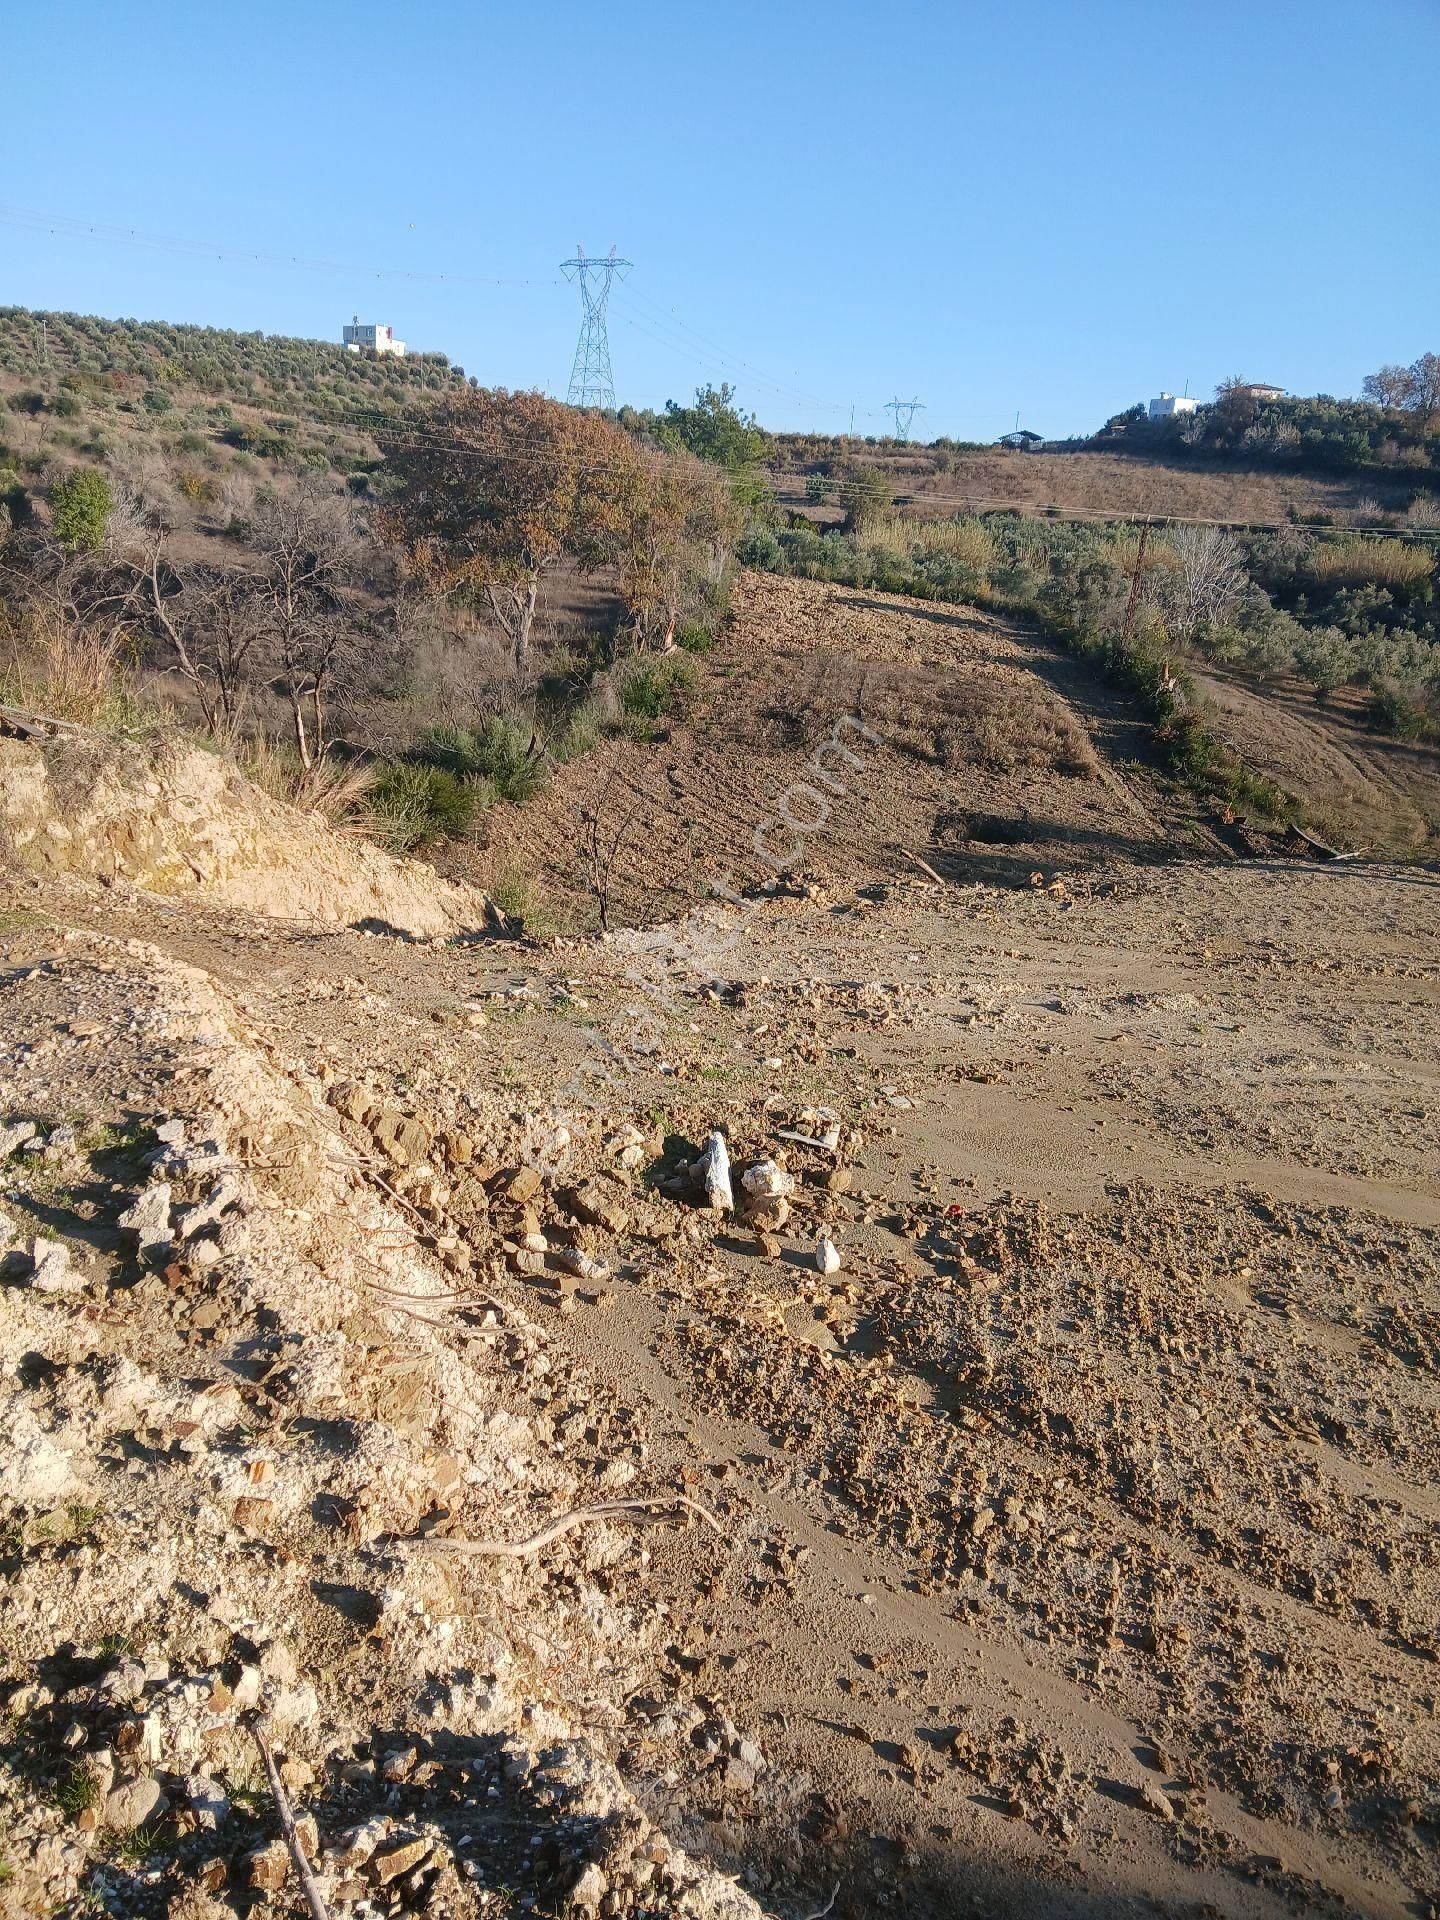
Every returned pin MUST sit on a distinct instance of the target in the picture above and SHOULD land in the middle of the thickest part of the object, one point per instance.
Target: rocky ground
(1020, 1499)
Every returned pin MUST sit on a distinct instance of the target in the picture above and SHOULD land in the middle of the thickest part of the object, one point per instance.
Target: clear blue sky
(1055, 206)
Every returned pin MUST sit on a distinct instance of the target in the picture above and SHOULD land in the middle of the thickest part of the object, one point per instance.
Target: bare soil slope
(1115, 483)
(971, 744)
(1371, 792)
(1070, 1548)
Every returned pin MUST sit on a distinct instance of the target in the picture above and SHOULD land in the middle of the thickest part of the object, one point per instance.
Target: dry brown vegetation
(1112, 483)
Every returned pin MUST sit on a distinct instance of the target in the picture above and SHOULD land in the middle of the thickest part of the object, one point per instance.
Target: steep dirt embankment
(839, 736)
(165, 815)
(1371, 793)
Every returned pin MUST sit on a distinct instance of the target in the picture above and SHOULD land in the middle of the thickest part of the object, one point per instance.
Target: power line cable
(32, 220)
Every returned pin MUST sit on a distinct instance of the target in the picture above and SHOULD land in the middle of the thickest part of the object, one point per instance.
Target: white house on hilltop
(1167, 405)
(379, 340)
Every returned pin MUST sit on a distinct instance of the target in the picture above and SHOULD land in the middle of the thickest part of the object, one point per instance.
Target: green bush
(659, 690)
(1394, 713)
(82, 504)
(694, 637)
(502, 751)
(416, 804)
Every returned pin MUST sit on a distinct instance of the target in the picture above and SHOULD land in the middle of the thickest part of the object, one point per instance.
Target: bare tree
(308, 541)
(1388, 387)
(1208, 582)
(1413, 389)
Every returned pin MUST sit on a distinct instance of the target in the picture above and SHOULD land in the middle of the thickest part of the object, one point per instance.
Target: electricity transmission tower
(904, 412)
(591, 382)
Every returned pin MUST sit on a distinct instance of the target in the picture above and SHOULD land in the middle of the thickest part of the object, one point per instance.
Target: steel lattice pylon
(904, 412)
(591, 382)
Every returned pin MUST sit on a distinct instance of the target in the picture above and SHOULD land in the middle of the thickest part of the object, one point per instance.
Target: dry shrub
(51, 666)
(1357, 562)
(964, 541)
(337, 789)
(1009, 731)
(1122, 549)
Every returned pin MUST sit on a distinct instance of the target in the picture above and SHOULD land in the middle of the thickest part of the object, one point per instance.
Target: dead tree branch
(306, 1878)
(654, 1507)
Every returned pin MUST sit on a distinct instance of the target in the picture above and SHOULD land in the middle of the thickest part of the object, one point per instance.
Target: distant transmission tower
(904, 412)
(591, 382)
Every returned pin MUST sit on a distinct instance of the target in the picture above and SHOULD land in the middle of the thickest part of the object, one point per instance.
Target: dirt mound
(846, 737)
(168, 816)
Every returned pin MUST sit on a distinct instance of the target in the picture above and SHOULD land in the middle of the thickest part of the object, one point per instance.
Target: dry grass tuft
(962, 540)
(51, 667)
(338, 790)
(1358, 562)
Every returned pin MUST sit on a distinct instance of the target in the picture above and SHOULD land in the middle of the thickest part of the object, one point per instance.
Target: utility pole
(904, 412)
(1132, 606)
(44, 344)
(591, 382)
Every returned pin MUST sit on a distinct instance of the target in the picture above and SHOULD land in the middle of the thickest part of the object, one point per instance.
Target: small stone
(766, 1181)
(399, 1764)
(224, 1193)
(827, 1255)
(394, 1861)
(582, 1265)
(352, 1100)
(402, 1138)
(134, 1803)
(356, 1845)
(590, 1889)
(14, 1136)
(715, 1174)
(597, 1207)
(524, 1185)
(148, 1218)
(209, 1801)
(51, 1271)
(768, 1215)
(267, 1867)
(1156, 1802)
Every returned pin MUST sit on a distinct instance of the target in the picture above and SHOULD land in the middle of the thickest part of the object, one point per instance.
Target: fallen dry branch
(924, 867)
(653, 1507)
(286, 1817)
(820, 1912)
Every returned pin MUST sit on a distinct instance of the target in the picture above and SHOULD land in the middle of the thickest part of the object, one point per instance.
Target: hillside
(96, 386)
(1100, 483)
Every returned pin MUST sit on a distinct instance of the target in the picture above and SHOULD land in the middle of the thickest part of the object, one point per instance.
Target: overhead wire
(33, 220)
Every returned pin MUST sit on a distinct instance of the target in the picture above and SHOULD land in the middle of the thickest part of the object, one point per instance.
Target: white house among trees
(379, 340)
